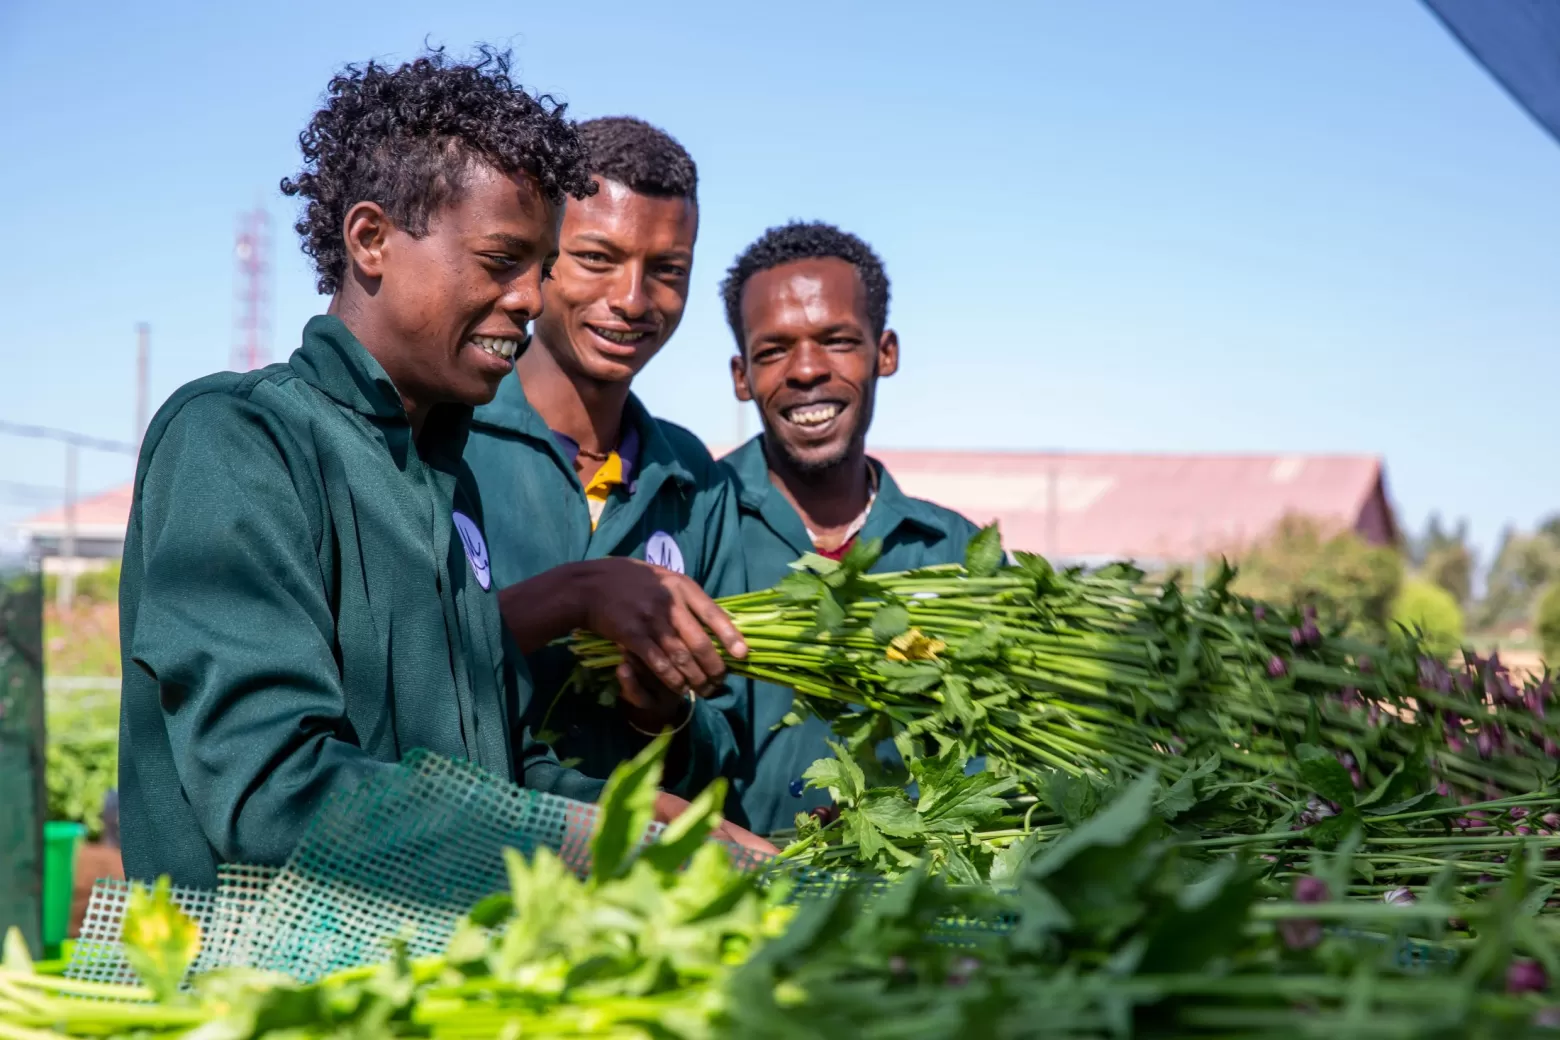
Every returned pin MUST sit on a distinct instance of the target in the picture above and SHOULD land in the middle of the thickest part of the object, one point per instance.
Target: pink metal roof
(102, 515)
(1147, 507)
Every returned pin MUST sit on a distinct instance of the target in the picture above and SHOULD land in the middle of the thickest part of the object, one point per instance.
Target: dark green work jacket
(915, 533)
(306, 597)
(678, 510)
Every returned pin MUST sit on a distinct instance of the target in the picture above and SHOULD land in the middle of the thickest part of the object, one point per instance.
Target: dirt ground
(93, 861)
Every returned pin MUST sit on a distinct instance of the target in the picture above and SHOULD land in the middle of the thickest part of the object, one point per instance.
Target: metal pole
(67, 585)
(143, 349)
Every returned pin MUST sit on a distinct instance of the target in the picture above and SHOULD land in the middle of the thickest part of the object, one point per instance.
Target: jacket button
(797, 787)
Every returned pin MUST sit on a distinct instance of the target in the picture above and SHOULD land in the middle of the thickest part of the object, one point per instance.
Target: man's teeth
(617, 336)
(497, 346)
(814, 414)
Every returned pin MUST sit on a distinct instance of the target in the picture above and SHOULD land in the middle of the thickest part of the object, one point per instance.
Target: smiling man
(808, 305)
(587, 493)
(307, 593)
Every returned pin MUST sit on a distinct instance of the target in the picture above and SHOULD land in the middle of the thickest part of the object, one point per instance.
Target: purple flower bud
(1462, 823)
(1346, 760)
(1485, 743)
(1525, 976)
(1373, 716)
(1455, 744)
(1356, 778)
(1551, 820)
(1296, 638)
(1443, 790)
(1364, 663)
(1310, 633)
(1478, 814)
(1518, 813)
(1524, 830)
(1259, 612)
(1269, 857)
(1551, 749)
(1309, 889)
(1486, 879)
(1276, 668)
(1398, 896)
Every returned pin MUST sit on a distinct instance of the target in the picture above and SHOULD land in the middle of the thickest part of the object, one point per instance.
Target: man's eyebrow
(513, 243)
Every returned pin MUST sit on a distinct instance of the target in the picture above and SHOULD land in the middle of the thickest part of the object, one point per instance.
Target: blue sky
(1202, 225)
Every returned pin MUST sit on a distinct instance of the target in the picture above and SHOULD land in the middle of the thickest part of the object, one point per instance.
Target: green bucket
(59, 878)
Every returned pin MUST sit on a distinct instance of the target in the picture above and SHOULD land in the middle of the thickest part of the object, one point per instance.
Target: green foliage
(1547, 622)
(1422, 605)
(96, 586)
(1524, 565)
(1446, 559)
(1339, 573)
(82, 759)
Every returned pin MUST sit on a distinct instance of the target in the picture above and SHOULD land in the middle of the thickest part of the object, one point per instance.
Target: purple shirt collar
(627, 450)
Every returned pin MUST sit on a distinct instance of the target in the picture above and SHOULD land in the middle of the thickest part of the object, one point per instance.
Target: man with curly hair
(808, 305)
(307, 591)
(582, 484)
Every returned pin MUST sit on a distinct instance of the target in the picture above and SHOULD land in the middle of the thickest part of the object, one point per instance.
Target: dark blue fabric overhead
(1518, 42)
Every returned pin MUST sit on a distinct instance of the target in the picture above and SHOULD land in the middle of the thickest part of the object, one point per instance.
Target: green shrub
(1304, 562)
(82, 761)
(99, 586)
(1422, 605)
(1547, 622)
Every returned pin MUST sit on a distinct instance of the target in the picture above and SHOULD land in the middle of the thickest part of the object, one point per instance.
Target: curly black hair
(806, 241)
(641, 157)
(406, 139)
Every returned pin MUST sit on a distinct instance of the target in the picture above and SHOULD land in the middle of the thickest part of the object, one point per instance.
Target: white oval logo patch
(662, 551)
(476, 549)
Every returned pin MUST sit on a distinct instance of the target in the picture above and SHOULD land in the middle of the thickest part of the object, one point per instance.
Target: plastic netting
(401, 856)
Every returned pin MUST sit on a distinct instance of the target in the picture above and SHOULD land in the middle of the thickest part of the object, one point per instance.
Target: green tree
(1424, 606)
(1302, 562)
(1524, 566)
(1547, 622)
(1445, 558)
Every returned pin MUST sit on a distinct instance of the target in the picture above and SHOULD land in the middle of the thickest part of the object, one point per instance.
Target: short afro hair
(407, 138)
(806, 241)
(640, 157)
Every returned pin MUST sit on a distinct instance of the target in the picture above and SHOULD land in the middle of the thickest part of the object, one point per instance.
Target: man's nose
(809, 365)
(628, 297)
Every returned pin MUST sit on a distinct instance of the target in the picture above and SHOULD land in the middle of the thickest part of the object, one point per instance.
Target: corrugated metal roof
(104, 515)
(1147, 507)
(1091, 507)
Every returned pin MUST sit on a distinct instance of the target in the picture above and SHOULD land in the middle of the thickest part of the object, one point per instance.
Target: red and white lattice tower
(252, 288)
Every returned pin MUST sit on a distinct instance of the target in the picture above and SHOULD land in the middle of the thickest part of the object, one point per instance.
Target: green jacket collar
(760, 497)
(511, 413)
(334, 362)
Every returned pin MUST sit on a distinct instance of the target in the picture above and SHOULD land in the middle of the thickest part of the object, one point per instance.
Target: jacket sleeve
(235, 625)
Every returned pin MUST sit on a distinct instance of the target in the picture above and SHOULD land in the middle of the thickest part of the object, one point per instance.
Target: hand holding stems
(662, 618)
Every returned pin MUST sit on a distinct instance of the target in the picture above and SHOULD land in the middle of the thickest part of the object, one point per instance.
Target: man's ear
(366, 230)
(739, 379)
(888, 353)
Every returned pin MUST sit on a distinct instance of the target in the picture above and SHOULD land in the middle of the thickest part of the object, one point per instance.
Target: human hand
(660, 617)
(668, 807)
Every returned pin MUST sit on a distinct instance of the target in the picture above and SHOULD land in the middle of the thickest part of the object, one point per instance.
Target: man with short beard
(808, 305)
(307, 593)
(585, 489)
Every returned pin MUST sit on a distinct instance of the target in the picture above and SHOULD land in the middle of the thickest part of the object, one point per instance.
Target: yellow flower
(914, 645)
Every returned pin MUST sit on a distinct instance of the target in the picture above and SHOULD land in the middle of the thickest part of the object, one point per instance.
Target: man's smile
(502, 347)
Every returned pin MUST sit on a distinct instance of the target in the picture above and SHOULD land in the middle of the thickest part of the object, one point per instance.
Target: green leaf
(684, 835)
(890, 620)
(1118, 824)
(625, 810)
(16, 958)
(831, 613)
(800, 587)
(890, 811)
(957, 703)
(862, 555)
(841, 775)
(492, 911)
(160, 941)
(1329, 833)
(1325, 775)
(910, 677)
(983, 555)
(982, 644)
